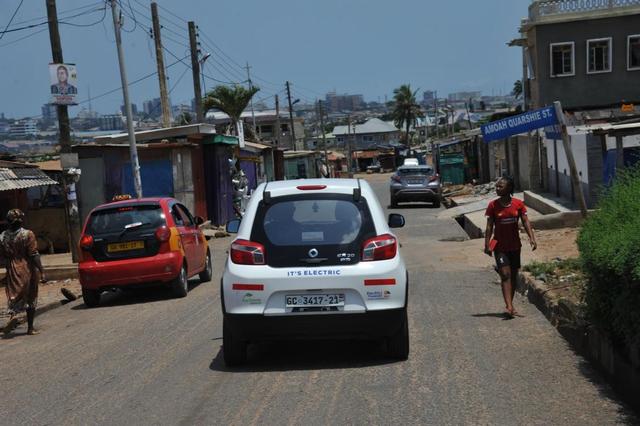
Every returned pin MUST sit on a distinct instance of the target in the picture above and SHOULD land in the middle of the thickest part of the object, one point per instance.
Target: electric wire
(15, 12)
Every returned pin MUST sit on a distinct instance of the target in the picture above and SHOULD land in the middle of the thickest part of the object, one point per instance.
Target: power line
(60, 22)
(11, 20)
(22, 38)
(60, 14)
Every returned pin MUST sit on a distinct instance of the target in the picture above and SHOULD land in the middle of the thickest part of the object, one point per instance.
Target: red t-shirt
(505, 230)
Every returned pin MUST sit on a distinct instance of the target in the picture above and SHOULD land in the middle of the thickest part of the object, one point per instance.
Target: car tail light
(434, 177)
(382, 247)
(311, 187)
(245, 252)
(396, 178)
(163, 234)
(86, 242)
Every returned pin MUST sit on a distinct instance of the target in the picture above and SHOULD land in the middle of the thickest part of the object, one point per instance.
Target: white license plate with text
(311, 300)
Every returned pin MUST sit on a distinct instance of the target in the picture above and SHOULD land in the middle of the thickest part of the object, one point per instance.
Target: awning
(220, 139)
(23, 178)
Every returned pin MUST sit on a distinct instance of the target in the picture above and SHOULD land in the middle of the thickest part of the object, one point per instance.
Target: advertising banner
(64, 85)
(517, 124)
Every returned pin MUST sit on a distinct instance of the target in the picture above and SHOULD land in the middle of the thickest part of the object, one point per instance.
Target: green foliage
(405, 108)
(517, 89)
(232, 100)
(539, 268)
(562, 267)
(609, 245)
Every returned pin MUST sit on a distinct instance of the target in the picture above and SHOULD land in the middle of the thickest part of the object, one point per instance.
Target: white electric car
(314, 258)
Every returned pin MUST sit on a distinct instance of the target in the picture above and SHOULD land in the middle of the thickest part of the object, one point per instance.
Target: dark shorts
(507, 258)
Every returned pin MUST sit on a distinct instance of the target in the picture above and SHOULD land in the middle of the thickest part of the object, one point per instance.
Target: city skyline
(354, 59)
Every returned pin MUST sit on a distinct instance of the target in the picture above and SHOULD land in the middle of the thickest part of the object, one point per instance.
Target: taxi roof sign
(628, 108)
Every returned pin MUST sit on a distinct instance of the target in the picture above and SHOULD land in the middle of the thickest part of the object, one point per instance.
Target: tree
(405, 108)
(517, 89)
(232, 100)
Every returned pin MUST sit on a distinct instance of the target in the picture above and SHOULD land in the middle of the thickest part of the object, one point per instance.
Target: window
(562, 59)
(177, 217)
(599, 55)
(633, 49)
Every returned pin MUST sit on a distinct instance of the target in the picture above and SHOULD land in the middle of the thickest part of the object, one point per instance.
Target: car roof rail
(266, 195)
(357, 192)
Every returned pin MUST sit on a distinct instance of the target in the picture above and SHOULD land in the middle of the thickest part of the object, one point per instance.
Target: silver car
(415, 183)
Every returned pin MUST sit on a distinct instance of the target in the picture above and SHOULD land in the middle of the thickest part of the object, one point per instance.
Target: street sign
(517, 124)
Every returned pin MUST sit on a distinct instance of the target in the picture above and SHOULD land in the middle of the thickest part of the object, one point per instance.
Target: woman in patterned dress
(19, 250)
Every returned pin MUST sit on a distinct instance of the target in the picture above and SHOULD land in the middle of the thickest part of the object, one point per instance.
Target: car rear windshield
(413, 172)
(312, 222)
(121, 218)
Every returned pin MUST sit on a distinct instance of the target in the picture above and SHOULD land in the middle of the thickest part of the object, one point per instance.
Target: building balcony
(546, 11)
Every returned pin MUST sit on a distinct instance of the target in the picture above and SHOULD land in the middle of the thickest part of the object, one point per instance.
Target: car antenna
(266, 195)
(357, 191)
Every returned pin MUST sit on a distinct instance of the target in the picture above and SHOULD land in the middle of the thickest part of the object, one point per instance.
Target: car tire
(91, 297)
(234, 351)
(207, 274)
(398, 344)
(180, 285)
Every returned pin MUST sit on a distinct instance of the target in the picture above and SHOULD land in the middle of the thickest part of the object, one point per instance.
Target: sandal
(10, 325)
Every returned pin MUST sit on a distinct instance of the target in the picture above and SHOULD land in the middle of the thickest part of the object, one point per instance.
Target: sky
(366, 47)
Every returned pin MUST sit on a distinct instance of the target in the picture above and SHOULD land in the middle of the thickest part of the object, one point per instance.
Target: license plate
(415, 182)
(131, 245)
(307, 300)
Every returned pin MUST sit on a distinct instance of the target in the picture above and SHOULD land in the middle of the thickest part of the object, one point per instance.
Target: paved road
(150, 359)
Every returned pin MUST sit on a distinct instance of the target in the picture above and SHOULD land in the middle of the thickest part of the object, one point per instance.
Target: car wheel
(234, 351)
(207, 274)
(180, 284)
(398, 344)
(91, 297)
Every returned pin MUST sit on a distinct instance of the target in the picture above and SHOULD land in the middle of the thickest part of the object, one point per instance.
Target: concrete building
(344, 102)
(585, 54)
(49, 112)
(152, 108)
(111, 122)
(464, 96)
(428, 98)
(134, 109)
(369, 135)
(23, 128)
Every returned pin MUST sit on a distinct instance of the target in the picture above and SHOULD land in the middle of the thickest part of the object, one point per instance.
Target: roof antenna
(266, 195)
(357, 192)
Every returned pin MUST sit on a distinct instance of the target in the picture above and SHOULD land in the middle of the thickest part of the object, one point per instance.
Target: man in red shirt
(502, 238)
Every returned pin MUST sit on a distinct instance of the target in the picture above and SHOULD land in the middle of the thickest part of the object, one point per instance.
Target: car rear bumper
(130, 272)
(367, 325)
(416, 194)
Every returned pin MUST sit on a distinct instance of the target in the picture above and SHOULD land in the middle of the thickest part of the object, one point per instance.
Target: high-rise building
(344, 102)
(49, 112)
(152, 108)
(23, 128)
(428, 97)
(134, 109)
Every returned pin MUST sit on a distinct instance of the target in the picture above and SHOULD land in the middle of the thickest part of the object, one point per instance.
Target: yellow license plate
(131, 245)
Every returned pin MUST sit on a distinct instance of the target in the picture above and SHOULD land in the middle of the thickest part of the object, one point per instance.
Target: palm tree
(232, 100)
(405, 108)
(517, 89)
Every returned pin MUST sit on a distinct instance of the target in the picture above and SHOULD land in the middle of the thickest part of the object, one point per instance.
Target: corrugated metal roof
(23, 178)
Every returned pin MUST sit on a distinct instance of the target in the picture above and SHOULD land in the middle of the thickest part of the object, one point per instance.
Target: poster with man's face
(64, 85)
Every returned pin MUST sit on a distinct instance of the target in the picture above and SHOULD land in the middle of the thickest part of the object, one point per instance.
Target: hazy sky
(355, 46)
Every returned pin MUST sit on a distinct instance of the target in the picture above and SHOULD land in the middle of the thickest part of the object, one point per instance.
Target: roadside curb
(586, 340)
(54, 273)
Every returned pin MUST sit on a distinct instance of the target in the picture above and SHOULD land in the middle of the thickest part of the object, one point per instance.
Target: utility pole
(349, 153)
(133, 149)
(278, 131)
(162, 78)
(195, 67)
(293, 131)
(324, 140)
(435, 107)
(72, 217)
(566, 143)
(253, 114)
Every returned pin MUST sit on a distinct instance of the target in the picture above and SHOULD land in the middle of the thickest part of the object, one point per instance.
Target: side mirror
(198, 220)
(396, 220)
(233, 226)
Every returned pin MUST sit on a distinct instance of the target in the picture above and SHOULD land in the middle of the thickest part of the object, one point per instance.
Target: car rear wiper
(131, 226)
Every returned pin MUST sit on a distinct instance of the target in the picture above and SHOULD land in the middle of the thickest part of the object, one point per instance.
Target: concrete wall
(582, 89)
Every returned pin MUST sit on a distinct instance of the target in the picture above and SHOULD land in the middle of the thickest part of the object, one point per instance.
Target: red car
(138, 242)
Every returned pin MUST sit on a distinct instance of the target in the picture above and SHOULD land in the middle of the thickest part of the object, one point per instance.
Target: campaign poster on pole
(63, 79)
